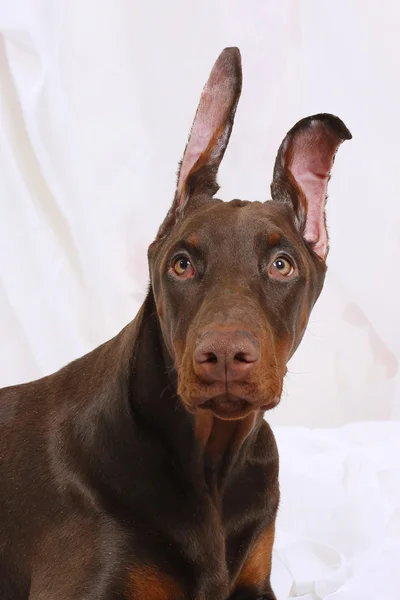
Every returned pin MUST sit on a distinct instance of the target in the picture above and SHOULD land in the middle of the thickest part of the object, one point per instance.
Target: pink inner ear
(312, 156)
(209, 119)
(213, 121)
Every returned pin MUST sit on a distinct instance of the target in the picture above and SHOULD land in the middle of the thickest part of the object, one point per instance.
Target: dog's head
(235, 282)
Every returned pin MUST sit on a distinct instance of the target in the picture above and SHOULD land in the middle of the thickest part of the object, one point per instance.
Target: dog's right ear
(209, 135)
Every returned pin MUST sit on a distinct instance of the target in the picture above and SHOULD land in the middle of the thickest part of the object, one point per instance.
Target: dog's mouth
(230, 407)
(230, 400)
(227, 406)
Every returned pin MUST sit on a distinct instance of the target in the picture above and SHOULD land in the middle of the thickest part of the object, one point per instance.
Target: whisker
(299, 373)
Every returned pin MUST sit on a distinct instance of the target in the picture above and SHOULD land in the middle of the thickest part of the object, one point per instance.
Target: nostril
(226, 354)
(211, 358)
(246, 357)
(241, 357)
(203, 357)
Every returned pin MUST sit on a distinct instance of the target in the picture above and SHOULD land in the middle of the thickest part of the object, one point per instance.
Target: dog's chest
(198, 549)
(199, 567)
(191, 538)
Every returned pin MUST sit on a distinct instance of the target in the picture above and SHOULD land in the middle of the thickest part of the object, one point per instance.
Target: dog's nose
(226, 355)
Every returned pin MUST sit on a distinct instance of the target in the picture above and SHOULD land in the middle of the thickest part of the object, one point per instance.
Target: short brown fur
(257, 567)
(150, 583)
(145, 470)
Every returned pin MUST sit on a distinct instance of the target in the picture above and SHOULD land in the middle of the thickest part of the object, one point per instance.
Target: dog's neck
(214, 443)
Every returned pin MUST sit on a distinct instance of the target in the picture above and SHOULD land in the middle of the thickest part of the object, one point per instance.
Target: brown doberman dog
(145, 470)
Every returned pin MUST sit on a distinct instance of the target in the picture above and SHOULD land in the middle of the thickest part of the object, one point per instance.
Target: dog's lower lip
(227, 402)
(230, 405)
(226, 405)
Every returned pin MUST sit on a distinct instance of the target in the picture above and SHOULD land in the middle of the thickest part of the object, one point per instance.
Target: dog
(145, 470)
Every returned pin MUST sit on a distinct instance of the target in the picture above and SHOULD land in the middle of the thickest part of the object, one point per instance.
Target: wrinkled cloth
(96, 102)
(338, 528)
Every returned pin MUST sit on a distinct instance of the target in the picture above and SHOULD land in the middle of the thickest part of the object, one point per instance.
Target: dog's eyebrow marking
(193, 240)
(277, 239)
(274, 239)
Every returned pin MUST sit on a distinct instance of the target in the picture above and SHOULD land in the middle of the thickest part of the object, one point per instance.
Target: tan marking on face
(203, 426)
(193, 240)
(274, 239)
(148, 583)
(160, 309)
(262, 387)
(256, 569)
(283, 348)
(179, 349)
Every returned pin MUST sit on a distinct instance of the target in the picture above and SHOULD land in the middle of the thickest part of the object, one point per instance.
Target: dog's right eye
(182, 267)
(281, 268)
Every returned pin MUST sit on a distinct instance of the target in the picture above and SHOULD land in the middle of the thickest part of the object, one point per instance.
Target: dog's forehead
(242, 219)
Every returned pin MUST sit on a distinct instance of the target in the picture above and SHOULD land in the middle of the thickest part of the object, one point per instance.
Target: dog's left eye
(281, 267)
(182, 267)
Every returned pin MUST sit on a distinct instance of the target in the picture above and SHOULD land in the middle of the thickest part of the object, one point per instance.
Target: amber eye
(281, 267)
(183, 267)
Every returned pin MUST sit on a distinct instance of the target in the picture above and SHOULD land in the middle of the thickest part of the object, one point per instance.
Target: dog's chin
(229, 407)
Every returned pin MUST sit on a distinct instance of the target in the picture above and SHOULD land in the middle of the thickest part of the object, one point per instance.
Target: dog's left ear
(302, 171)
(209, 135)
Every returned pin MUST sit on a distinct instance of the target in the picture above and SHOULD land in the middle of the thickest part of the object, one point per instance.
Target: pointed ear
(209, 135)
(302, 171)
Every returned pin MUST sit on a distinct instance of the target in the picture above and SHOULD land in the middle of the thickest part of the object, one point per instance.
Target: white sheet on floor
(338, 531)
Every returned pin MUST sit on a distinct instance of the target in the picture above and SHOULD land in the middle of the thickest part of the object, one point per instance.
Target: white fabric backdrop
(96, 100)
